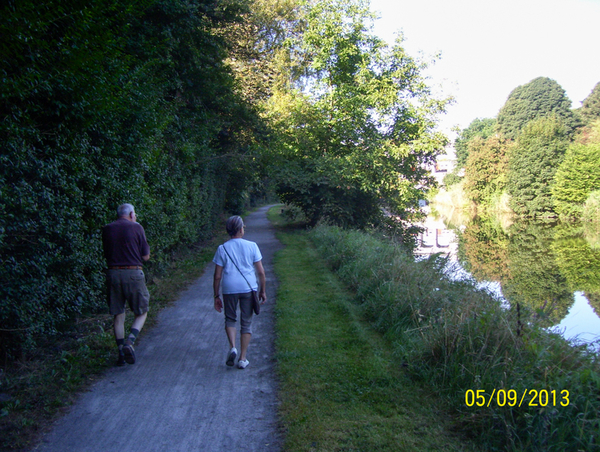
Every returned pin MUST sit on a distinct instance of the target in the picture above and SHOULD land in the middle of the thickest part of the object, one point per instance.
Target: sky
(490, 47)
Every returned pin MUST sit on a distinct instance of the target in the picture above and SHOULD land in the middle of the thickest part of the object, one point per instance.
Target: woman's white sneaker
(242, 364)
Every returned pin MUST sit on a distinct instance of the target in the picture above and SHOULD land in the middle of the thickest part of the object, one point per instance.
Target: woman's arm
(262, 280)
(217, 286)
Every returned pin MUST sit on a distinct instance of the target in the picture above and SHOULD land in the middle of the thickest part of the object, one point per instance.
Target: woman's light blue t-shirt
(245, 253)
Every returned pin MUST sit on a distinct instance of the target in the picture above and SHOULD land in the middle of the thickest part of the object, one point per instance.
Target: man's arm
(144, 247)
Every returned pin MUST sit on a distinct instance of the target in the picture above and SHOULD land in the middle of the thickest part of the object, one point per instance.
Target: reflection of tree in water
(537, 282)
(538, 264)
(591, 233)
(483, 250)
(594, 300)
(578, 262)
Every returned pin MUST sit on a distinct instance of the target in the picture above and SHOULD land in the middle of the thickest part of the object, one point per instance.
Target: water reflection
(582, 322)
(553, 269)
(436, 238)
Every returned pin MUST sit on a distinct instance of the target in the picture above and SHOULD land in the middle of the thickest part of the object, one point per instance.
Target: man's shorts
(127, 286)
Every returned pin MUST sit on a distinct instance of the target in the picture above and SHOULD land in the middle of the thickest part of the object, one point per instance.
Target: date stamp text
(512, 397)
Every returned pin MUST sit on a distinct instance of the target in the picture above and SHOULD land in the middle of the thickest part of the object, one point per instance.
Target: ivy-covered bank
(105, 102)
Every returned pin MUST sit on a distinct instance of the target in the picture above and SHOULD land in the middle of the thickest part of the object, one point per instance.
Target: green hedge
(105, 102)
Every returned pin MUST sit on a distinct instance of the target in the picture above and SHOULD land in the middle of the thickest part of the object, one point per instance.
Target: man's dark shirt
(124, 243)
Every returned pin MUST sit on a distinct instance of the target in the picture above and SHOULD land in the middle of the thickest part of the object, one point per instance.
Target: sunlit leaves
(486, 168)
(360, 123)
(577, 176)
(590, 110)
(541, 97)
(539, 151)
(479, 127)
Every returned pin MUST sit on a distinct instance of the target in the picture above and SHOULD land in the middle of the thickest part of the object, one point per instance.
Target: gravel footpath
(180, 396)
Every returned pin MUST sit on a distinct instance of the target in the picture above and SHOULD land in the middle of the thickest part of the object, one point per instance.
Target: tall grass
(458, 338)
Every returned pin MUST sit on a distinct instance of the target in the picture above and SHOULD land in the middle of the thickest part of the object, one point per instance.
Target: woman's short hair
(234, 225)
(124, 210)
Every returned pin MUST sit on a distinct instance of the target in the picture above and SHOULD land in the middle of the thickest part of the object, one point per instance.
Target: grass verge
(341, 387)
(530, 389)
(35, 392)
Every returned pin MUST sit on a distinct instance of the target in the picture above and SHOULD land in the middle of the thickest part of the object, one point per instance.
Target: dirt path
(180, 396)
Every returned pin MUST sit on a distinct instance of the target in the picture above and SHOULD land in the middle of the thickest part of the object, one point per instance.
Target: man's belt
(126, 267)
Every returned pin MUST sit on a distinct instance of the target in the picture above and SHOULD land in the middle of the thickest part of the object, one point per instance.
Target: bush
(451, 179)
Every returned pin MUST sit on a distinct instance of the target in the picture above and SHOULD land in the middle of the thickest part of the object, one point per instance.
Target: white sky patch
(488, 48)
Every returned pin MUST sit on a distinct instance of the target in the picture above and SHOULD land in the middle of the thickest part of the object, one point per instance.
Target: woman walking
(237, 264)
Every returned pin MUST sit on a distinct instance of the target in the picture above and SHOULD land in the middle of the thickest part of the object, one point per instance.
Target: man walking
(125, 248)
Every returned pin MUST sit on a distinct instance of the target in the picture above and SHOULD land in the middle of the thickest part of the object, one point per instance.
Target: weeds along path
(180, 396)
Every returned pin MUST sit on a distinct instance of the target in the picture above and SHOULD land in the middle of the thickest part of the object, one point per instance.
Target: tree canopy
(526, 119)
(538, 152)
(479, 127)
(590, 110)
(486, 168)
(357, 125)
(539, 98)
(576, 177)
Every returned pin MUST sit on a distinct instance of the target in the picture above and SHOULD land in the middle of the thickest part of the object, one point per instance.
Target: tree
(538, 152)
(591, 213)
(479, 127)
(576, 177)
(589, 133)
(539, 98)
(590, 110)
(257, 45)
(486, 167)
(357, 126)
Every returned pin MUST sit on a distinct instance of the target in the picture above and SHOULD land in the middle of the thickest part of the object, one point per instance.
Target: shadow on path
(180, 396)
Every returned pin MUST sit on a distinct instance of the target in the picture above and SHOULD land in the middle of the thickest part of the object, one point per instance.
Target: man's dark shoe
(121, 360)
(129, 352)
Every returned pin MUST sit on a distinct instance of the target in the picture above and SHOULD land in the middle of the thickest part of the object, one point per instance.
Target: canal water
(553, 269)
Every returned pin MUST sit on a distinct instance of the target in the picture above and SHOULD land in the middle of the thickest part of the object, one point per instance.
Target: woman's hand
(262, 296)
(218, 304)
